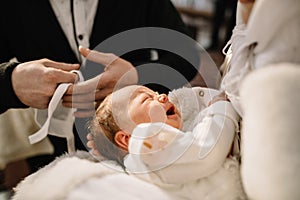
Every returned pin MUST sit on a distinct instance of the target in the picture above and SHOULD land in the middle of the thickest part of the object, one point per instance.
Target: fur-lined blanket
(60, 179)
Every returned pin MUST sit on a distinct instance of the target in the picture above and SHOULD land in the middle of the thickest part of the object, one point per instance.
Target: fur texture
(45, 185)
(270, 134)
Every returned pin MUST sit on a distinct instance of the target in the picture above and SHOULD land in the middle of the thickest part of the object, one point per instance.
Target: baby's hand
(91, 144)
(221, 97)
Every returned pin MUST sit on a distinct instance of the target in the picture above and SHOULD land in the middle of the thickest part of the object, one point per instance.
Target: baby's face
(146, 106)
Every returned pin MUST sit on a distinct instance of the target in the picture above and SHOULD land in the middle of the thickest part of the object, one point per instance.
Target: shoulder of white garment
(261, 26)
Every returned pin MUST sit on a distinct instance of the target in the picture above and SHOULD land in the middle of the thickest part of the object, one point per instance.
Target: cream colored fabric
(271, 133)
(56, 120)
(84, 179)
(37, 185)
(190, 101)
(266, 39)
(277, 38)
(15, 127)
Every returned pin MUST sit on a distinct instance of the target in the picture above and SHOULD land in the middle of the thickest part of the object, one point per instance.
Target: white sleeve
(178, 157)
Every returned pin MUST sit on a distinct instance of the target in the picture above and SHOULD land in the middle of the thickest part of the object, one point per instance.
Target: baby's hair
(103, 127)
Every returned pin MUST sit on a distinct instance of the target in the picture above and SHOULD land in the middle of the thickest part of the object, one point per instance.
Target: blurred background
(210, 22)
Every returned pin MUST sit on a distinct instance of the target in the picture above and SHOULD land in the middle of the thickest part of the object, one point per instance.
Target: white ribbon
(54, 103)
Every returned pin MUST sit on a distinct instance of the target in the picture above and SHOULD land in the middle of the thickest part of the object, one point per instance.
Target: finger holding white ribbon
(65, 116)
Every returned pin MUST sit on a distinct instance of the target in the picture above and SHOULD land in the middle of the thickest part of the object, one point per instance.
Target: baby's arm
(178, 157)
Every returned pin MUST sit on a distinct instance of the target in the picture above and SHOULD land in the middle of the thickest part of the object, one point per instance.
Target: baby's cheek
(157, 114)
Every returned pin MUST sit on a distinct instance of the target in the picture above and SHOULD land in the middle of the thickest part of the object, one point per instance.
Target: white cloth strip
(56, 99)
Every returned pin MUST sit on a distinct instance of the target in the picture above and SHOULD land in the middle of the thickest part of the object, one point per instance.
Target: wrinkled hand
(35, 82)
(221, 97)
(86, 95)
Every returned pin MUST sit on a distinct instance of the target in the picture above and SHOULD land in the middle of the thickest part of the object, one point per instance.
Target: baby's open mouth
(171, 111)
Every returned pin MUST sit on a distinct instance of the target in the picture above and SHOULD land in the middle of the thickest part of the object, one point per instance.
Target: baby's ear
(122, 140)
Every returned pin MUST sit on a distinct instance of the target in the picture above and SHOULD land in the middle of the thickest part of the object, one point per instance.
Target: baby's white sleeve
(179, 157)
(157, 145)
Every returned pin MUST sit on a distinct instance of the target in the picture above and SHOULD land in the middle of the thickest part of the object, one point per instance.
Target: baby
(143, 131)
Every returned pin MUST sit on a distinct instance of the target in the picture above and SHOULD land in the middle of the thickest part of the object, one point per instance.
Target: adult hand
(35, 82)
(86, 95)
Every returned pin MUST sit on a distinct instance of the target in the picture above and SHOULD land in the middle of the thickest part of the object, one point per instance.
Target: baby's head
(122, 111)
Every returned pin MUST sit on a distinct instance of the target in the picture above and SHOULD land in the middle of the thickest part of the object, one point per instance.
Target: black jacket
(30, 31)
(8, 99)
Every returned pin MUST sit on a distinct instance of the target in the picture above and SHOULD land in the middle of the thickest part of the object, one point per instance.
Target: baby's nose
(163, 98)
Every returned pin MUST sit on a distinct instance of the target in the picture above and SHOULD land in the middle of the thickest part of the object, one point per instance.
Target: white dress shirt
(84, 12)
